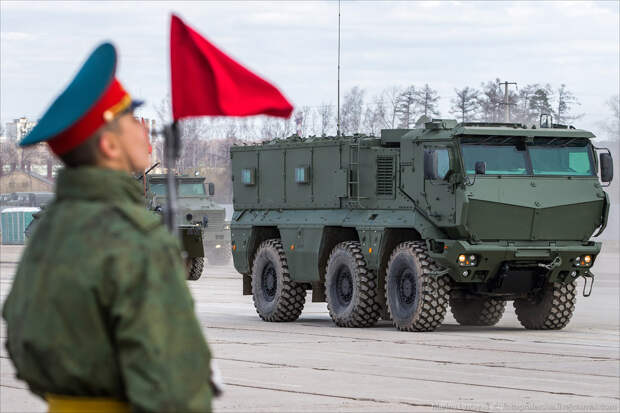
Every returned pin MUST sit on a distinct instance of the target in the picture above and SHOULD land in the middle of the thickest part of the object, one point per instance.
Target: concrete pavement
(311, 365)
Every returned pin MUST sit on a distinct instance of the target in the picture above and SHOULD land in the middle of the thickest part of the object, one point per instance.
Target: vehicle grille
(385, 175)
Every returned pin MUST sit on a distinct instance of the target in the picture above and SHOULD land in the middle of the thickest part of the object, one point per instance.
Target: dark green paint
(377, 188)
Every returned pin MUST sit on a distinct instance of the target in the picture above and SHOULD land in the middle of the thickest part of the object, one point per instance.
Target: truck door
(438, 187)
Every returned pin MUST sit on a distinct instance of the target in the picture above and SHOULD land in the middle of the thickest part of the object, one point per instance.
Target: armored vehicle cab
(404, 225)
(201, 221)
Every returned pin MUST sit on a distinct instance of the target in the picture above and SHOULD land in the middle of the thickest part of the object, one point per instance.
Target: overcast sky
(294, 44)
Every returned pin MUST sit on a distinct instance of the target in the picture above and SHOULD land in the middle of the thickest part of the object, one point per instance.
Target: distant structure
(19, 128)
(25, 181)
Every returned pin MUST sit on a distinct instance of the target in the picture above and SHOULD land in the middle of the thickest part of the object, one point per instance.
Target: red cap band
(114, 100)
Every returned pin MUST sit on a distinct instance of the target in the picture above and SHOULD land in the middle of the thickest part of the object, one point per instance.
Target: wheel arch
(332, 236)
(258, 234)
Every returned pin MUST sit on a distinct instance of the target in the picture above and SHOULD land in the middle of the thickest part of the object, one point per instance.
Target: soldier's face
(134, 143)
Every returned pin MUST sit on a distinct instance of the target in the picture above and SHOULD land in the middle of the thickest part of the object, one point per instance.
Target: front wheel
(481, 311)
(276, 296)
(551, 309)
(416, 299)
(195, 266)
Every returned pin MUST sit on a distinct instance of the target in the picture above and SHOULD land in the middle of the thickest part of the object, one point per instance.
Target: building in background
(19, 128)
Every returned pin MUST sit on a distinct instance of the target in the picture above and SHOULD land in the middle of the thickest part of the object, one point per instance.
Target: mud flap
(586, 276)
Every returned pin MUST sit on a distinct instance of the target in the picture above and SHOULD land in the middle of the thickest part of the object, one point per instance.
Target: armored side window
(436, 163)
(302, 175)
(248, 176)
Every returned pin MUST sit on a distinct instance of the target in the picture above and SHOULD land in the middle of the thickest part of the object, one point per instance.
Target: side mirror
(430, 164)
(607, 167)
(211, 189)
(481, 168)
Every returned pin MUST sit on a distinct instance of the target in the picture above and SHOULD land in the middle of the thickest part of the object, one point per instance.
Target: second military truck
(200, 220)
(403, 226)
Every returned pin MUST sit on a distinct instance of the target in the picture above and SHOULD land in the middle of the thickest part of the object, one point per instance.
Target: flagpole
(338, 116)
(172, 148)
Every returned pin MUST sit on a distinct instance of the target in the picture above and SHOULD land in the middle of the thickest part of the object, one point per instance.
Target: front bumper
(493, 255)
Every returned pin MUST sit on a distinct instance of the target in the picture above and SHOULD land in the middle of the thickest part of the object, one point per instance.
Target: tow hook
(557, 261)
(587, 275)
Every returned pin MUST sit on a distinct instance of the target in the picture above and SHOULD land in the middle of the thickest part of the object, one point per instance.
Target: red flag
(205, 81)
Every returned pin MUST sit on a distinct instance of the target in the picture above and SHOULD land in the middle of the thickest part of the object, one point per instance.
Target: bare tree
(541, 100)
(374, 116)
(351, 112)
(326, 115)
(426, 100)
(405, 107)
(612, 125)
(491, 108)
(566, 100)
(391, 97)
(521, 110)
(8, 156)
(465, 104)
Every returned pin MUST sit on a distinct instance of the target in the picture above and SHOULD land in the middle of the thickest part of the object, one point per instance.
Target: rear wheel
(351, 287)
(481, 311)
(416, 300)
(551, 309)
(195, 266)
(276, 297)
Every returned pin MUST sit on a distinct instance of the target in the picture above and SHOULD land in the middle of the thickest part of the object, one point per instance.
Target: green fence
(13, 223)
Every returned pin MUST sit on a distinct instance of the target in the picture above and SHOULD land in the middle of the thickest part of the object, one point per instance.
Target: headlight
(226, 226)
(583, 261)
(468, 260)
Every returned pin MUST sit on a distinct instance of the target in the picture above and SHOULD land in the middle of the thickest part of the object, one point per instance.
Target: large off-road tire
(351, 287)
(195, 266)
(276, 297)
(219, 256)
(479, 311)
(416, 300)
(551, 309)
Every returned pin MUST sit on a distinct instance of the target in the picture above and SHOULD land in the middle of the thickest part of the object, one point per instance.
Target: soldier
(99, 317)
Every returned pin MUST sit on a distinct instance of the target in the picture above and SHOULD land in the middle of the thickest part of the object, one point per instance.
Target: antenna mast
(338, 115)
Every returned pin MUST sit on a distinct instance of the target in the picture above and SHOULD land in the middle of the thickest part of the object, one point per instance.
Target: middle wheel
(351, 287)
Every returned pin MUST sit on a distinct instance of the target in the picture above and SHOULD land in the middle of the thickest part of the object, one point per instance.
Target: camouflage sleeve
(162, 353)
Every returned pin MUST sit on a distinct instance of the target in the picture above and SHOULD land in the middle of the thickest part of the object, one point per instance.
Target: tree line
(206, 142)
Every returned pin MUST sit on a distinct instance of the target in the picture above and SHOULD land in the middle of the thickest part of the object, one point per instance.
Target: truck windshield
(184, 188)
(159, 188)
(188, 189)
(511, 156)
(560, 158)
(500, 159)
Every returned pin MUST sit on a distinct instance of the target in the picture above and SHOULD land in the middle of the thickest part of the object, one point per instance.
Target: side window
(248, 176)
(436, 163)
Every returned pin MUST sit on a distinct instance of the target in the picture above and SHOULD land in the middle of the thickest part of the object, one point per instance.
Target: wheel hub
(345, 286)
(406, 287)
(269, 281)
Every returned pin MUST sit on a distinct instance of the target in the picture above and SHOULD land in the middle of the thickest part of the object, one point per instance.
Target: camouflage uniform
(99, 306)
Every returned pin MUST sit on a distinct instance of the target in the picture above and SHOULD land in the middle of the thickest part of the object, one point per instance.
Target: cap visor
(136, 104)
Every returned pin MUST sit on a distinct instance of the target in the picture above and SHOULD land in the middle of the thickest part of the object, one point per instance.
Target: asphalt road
(311, 365)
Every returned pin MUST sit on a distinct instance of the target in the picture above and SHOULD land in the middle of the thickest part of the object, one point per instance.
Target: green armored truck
(201, 221)
(402, 226)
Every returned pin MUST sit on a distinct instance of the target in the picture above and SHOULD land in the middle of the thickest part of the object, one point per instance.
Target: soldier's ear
(109, 146)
